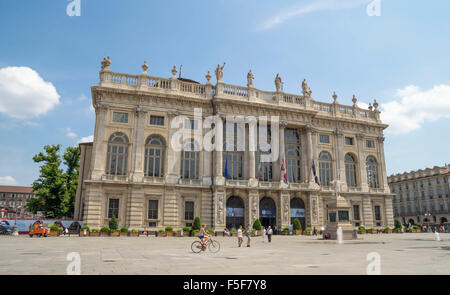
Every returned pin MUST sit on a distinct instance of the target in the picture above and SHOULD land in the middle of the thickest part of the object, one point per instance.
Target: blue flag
(226, 168)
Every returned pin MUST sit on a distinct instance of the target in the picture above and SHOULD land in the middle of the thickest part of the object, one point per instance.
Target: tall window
(325, 168)
(372, 171)
(157, 120)
(117, 155)
(189, 211)
(264, 167)
(152, 209)
(155, 149)
(232, 154)
(350, 170)
(356, 212)
(190, 160)
(113, 208)
(292, 143)
(377, 213)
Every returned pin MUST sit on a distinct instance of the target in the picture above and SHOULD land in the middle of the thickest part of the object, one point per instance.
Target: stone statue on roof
(278, 83)
(305, 89)
(250, 78)
(219, 72)
(106, 62)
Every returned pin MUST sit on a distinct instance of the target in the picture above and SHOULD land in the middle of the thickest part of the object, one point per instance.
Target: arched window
(190, 160)
(325, 168)
(232, 155)
(155, 150)
(292, 143)
(350, 170)
(372, 171)
(117, 154)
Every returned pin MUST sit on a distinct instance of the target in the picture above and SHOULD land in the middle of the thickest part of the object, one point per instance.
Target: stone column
(135, 205)
(383, 174)
(309, 153)
(137, 172)
(253, 206)
(170, 207)
(282, 150)
(362, 163)
(99, 157)
(339, 155)
(219, 179)
(389, 212)
(285, 205)
(93, 210)
(173, 157)
(367, 212)
(313, 211)
(219, 199)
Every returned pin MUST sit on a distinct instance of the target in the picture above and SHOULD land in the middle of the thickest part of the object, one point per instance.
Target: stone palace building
(132, 171)
(422, 196)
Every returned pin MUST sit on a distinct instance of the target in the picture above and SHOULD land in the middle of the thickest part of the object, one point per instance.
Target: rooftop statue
(219, 72)
(278, 83)
(106, 62)
(305, 89)
(250, 78)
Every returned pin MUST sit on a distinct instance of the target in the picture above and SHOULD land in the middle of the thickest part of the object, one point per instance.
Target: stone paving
(408, 253)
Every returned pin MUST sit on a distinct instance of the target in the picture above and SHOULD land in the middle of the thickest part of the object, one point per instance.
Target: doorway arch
(235, 212)
(444, 220)
(267, 212)
(298, 211)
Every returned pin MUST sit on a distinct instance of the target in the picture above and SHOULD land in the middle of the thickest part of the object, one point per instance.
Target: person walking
(314, 232)
(269, 234)
(263, 233)
(248, 232)
(240, 237)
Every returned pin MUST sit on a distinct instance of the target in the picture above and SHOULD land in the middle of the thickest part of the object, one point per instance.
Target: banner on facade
(235, 212)
(267, 213)
(297, 212)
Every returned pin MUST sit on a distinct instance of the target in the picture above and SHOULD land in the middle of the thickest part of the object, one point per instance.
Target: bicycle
(211, 244)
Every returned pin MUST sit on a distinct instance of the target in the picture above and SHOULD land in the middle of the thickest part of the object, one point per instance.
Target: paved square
(409, 253)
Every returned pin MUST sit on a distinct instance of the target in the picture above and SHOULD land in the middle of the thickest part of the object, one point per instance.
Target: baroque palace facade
(132, 171)
(422, 196)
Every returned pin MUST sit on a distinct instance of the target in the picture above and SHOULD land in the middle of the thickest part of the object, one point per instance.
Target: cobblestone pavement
(408, 253)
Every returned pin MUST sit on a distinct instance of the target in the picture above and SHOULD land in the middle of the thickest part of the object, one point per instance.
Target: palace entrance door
(267, 212)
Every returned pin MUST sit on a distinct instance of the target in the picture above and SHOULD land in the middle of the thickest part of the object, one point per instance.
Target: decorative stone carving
(375, 104)
(220, 208)
(278, 83)
(250, 78)
(354, 100)
(286, 209)
(255, 208)
(314, 210)
(219, 72)
(106, 63)
(335, 97)
(144, 68)
(305, 89)
(174, 72)
(208, 78)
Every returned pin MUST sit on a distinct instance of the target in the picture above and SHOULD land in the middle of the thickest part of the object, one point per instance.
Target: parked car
(5, 228)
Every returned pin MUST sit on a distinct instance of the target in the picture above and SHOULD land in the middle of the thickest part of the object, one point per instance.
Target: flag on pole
(226, 168)
(283, 172)
(316, 179)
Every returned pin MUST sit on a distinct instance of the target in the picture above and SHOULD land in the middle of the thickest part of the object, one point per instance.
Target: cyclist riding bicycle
(203, 235)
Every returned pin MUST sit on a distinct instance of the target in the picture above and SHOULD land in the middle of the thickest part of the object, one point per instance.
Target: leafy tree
(55, 190)
(297, 224)
(197, 225)
(257, 224)
(398, 224)
(113, 223)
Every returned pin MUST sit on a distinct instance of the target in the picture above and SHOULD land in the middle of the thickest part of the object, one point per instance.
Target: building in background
(132, 171)
(14, 198)
(422, 196)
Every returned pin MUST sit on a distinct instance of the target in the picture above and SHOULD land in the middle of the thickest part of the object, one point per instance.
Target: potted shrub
(178, 234)
(55, 230)
(253, 233)
(387, 230)
(169, 231)
(297, 227)
(285, 230)
(161, 233)
(257, 226)
(416, 228)
(124, 232)
(186, 230)
(94, 232)
(195, 232)
(234, 232)
(307, 231)
(361, 230)
(84, 231)
(197, 224)
(211, 232)
(371, 230)
(134, 233)
(104, 231)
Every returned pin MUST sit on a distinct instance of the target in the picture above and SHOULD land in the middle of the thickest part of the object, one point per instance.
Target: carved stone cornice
(360, 136)
(380, 139)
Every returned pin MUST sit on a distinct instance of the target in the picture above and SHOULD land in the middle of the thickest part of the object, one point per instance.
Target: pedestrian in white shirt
(240, 237)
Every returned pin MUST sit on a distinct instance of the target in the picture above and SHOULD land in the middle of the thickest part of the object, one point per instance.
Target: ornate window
(155, 149)
(117, 154)
(113, 208)
(372, 171)
(350, 170)
(293, 166)
(190, 160)
(325, 168)
(264, 168)
(232, 156)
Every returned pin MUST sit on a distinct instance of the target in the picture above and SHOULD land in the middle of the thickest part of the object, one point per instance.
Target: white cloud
(70, 133)
(7, 180)
(24, 94)
(82, 97)
(312, 6)
(362, 105)
(89, 138)
(414, 107)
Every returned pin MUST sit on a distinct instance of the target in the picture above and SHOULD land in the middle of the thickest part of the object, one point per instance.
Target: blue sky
(401, 58)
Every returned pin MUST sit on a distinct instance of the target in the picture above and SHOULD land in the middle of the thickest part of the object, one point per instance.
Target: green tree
(197, 225)
(257, 224)
(297, 224)
(398, 224)
(113, 223)
(55, 190)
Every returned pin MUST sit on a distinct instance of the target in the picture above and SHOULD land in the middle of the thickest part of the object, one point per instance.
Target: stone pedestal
(339, 216)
